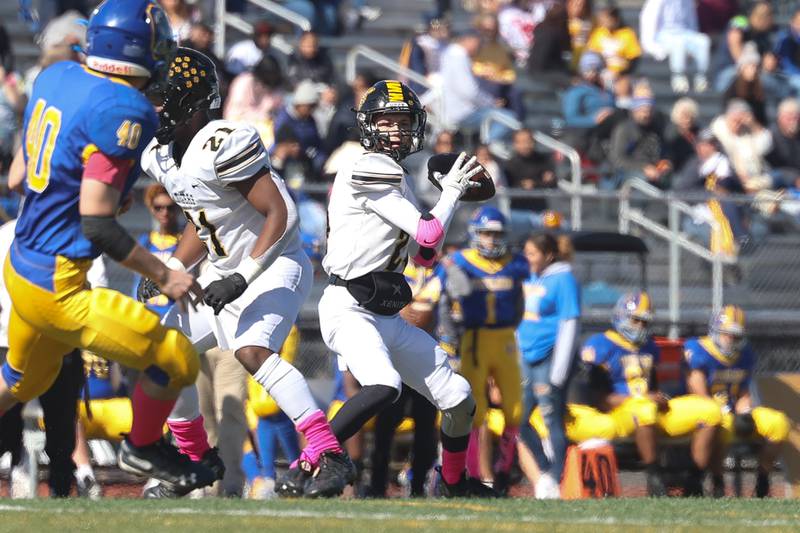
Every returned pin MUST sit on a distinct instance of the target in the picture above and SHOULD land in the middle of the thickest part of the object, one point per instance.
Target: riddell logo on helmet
(112, 68)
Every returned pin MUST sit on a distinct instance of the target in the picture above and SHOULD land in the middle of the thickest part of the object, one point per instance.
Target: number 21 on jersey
(201, 224)
(40, 141)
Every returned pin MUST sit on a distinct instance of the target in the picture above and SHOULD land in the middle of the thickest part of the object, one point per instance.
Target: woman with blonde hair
(681, 133)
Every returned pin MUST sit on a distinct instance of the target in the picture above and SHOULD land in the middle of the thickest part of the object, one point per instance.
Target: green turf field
(232, 516)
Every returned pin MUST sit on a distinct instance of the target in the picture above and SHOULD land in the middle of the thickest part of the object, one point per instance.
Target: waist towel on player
(384, 293)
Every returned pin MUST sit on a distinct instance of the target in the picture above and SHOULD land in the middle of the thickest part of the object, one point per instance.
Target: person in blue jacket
(547, 341)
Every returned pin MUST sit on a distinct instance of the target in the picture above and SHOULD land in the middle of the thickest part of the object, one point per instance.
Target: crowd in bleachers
(301, 105)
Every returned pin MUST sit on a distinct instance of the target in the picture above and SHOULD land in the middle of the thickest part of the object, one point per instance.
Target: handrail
(676, 240)
(576, 202)
(390, 64)
(384, 61)
(224, 18)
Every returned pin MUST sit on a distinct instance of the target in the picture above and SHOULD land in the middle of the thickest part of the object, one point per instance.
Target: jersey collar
(708, 344)
(163, 242)
(490, 266)
(621, 341)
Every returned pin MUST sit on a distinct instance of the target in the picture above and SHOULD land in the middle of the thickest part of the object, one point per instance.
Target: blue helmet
(129, 38)
(633, 306)
(488, 219)
(728, 320)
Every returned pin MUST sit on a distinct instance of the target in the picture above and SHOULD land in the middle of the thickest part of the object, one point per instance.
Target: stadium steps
(26, 52)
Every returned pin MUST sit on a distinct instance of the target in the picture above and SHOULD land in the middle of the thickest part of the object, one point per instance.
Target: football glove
(461, 172)
(220, 293)
(146, 289)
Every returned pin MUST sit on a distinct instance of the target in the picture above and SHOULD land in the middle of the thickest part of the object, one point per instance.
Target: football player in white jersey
(244, 221)
(375, 224)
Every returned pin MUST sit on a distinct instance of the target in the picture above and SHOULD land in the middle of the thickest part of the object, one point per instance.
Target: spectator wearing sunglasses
(161, 241)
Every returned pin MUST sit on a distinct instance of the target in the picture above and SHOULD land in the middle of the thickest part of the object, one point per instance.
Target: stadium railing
(432, 98)
(224, 19)
(677, 241)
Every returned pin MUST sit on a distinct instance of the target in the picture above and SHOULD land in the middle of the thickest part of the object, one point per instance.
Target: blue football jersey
(726, 378)
(628, 366)
(496, 288)
(72, 113)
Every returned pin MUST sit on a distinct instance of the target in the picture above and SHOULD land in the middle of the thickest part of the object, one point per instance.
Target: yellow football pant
(684, 416)
(111, 418)
(44, 326)
(492, 352)
(771, 425)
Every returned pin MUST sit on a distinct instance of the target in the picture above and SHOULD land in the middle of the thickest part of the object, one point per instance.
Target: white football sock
(288, 387)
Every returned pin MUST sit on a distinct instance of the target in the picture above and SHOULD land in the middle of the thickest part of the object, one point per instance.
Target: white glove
(459, 176)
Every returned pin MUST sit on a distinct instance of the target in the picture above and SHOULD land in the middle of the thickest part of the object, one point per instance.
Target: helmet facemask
(726, 330)
(183, 96)
(635, 329)
(376, 140)
(498, 246)
(632, 318)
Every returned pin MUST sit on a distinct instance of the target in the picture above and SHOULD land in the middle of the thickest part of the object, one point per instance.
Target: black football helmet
(191, 86)
(391, 96)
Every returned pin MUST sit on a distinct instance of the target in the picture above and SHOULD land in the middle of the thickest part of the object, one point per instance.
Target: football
(440, 164)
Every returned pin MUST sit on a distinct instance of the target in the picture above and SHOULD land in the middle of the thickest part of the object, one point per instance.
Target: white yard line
(401, 516)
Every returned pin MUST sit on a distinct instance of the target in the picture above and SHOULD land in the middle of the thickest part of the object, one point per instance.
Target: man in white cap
(298, 115)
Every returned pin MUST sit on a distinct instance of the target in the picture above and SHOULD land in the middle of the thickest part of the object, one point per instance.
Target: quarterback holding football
(375, 225)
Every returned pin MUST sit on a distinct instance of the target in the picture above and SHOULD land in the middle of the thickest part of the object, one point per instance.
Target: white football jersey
(221, 153)
(359, 240)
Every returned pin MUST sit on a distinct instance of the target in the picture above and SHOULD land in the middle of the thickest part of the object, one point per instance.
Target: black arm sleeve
(107, 234)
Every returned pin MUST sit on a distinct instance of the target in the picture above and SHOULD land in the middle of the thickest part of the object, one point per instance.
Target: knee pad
(643, 410)
(771, 424)
(710, 414)
(178, 359)
(457, 421)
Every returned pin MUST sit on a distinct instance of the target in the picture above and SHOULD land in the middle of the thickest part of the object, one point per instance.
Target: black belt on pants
(333, 279)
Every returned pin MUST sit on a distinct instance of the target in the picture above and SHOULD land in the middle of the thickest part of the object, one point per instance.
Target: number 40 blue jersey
(74, 112)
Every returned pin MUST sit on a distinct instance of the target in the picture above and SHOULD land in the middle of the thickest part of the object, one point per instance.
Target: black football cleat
(502, 482)
(334, 473)
(693, 486)
(213, 462)
(210, 460)
(656, 488)
(163, 461)
(293, 482)
(156, 490)
(762, 485)
(467, 487)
